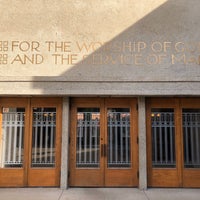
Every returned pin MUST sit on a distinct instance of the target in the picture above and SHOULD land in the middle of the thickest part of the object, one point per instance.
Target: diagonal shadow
(117, 66)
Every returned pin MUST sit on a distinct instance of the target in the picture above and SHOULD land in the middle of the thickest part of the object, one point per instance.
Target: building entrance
(103, 142)
(173, 137)
(30, 142)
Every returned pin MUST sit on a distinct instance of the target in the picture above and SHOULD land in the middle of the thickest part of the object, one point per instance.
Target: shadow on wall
(161, 47)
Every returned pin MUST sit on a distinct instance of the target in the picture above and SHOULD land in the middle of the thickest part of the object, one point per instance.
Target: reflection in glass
(88, 138)
(43, 137)
(163, 138)
(12, 138)
(191, 137)
(118, 120)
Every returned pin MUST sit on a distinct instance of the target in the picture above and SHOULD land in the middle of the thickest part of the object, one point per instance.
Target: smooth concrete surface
(65, 142)
(98, 194)
(142, 143)
(101, 47)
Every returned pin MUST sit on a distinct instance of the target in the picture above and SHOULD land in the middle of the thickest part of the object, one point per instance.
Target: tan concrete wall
(100, 47)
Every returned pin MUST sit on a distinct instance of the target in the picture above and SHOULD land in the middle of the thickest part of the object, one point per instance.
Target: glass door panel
(163, 142)
(88, 138)
(118, 125)
(191, 137)
(191, 143)
(45, 140)
(12, 139)
(43, 137)
(103, 150)
(163, 138)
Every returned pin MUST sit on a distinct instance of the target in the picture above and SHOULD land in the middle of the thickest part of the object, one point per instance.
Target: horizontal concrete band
(138, 76)
(101, 88)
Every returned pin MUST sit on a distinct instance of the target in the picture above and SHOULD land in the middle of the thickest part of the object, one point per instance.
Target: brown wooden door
(190, 133)
(103, 147)
(30, 142)
(173, 142)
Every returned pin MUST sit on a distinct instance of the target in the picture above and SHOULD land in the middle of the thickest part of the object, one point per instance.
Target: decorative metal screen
(88, 138)
(119, 138)
(12, 138)
(43, 138)
(191, 137)
(163, 138)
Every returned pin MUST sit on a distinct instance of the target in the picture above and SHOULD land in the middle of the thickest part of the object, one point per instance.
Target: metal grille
(163, 138)
(88, 134)
(118, 138)
(191, 138)
(43, 140)
(12, 146)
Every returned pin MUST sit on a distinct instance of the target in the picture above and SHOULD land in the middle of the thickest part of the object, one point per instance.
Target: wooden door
(121, 159)
(45, 142)
(30, 141)
(86, 144)
(173, 141)
(13, 134)
(190, 121)
(103, 147)
(163, 143)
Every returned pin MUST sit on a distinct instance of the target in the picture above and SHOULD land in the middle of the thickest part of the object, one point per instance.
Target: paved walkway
(98, 194)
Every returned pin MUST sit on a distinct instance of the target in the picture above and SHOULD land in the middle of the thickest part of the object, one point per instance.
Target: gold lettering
(25, 46)
(17, 59)
(49, 44)
(156, 47)
(127, 59)
(179, 59)
(179, 47)
(58, 46)
(161, 58)
(166, 46)
(193, 60)
(28, 59)
(68, 59)
(152, 59)
(141, 46)
(84, 46)
(127, 46)
(138, 59)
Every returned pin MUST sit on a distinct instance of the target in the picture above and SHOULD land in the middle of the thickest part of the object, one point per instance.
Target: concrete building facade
(100, 93)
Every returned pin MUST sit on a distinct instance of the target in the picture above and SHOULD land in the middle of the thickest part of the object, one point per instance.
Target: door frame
(78, 177)
(12, 177)
(106, 177)
(163, 177)
(190, 176)
(26, 176)
(179, 176)
(46, 176)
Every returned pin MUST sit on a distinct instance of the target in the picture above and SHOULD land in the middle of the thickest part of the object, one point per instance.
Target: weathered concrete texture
(98, 194)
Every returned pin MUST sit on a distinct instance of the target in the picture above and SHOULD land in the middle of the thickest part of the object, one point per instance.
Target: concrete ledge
(99, 88)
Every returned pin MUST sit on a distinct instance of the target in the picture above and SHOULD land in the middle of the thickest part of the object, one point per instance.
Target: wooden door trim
(152, 173)
(80, 173)
(103, 104)
(190, 176)
(17, 102)
(55, 171)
